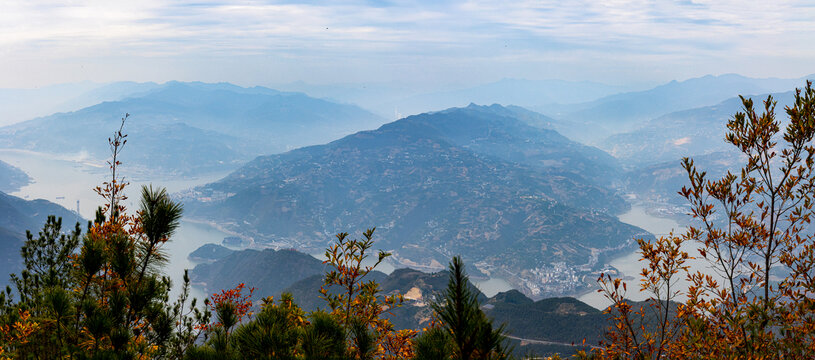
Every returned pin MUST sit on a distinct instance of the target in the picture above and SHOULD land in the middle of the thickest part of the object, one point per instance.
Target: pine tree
(101, 295)
(468, 329)
(46, 259)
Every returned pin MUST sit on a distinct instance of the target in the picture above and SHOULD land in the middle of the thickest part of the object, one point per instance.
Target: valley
(537, 216)
(475, 181)
(407, 180)
(529, 208)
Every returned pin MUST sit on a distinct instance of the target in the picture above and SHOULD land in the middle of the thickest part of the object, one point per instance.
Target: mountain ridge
(18, 216)
(12, 178)
(692, 132)
(428, 197)
(626, 111)
(217, 125)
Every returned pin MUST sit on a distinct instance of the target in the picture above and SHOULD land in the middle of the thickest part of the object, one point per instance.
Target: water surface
(630, 265)
(70, 178)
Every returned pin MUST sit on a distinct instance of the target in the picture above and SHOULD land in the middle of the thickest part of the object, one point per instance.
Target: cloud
(690, 33)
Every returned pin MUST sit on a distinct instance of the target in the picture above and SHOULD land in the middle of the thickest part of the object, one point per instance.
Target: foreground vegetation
(100, 294)
(753, 228)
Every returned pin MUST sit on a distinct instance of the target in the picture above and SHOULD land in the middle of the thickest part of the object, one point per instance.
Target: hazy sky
(433, 42)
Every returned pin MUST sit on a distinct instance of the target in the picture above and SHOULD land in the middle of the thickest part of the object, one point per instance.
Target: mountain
(435, 185)
(653, 152)
(210, 253)
(17, 216)
(520, 136)
(388, 98)
(189, 128)
(12, 178)
(418, 288)
(306, 291)
(24, 104)
(528, 93)
(560, 320)
(625, 111)
(546, 326)
(661, 182)
(691, 132)
(268, 270)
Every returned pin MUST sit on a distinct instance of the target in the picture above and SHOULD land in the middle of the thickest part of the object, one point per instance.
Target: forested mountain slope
(509, 197)
(17, 216)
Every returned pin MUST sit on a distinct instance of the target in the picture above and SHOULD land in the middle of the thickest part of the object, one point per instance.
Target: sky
(439, 43)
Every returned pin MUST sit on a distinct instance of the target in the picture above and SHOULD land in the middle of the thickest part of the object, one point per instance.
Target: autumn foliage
(234, 301)
(754, 228)
(101, 294)
(360, 302)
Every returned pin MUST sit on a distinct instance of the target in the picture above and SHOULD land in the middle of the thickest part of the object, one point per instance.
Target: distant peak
(473, 107)
(494, 106)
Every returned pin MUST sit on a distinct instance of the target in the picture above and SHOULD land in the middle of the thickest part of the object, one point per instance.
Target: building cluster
(554, 278)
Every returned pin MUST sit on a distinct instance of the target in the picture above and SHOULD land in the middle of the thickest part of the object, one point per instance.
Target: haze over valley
(537, 141)
(261, 171)
(498, 184)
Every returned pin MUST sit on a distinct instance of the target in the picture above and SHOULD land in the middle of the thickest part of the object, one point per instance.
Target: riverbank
(628, 265)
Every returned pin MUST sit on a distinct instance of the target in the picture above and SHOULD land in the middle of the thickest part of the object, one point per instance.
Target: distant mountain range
(12, 178)
(189, 128)
(653, 152)
(212, 119)
(25, 104)
(661, 182)
(697, 131)
(627, 111)
(513, 199)
(17, 216)
(385, 99)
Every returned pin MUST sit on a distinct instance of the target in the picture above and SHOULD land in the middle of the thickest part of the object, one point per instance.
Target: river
(68, 179)
(630, 265)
